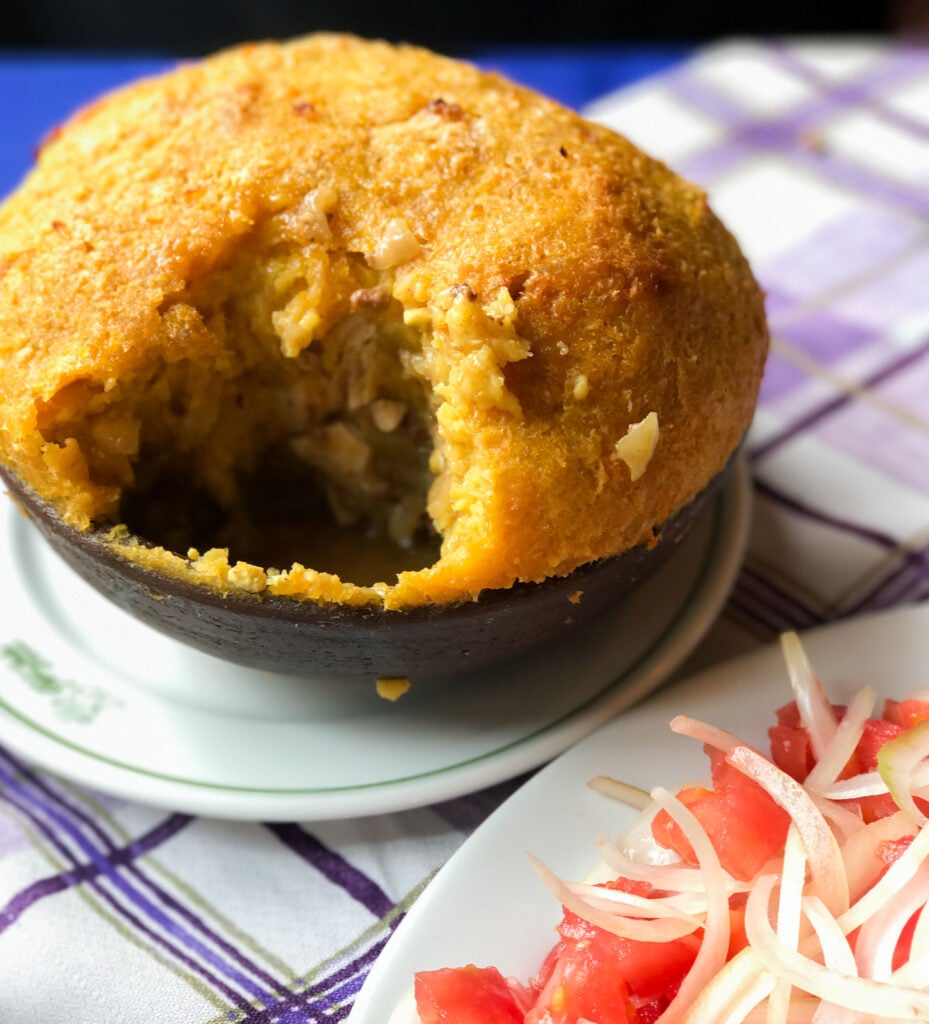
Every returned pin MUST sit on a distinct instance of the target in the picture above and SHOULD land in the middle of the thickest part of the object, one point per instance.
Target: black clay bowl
(310, 639)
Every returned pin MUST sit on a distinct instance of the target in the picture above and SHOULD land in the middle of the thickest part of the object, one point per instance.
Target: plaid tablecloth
(818, 158)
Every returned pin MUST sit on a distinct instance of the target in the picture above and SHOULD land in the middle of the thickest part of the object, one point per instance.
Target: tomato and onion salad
(793, 886)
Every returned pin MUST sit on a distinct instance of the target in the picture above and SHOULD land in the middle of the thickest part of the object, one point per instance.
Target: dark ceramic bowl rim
(301, 635)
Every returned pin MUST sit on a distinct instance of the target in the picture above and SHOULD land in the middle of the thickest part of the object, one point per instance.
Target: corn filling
(301, 431)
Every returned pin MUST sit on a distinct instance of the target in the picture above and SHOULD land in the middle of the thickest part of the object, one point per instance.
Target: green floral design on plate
(71, 701)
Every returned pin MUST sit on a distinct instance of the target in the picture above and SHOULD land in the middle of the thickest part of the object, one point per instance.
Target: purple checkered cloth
(818, 159)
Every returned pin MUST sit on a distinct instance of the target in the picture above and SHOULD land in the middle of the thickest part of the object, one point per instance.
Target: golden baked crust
(188, 246)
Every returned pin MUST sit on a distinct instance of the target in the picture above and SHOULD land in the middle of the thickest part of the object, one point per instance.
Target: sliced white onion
(879, 936)
(829, 1013)
(912, 974)
(845, 821)
(778, 1007)
(621, 792)
(672, 877)
(844, 741)
(733, 993)
(916, 969)
(790, 898)
(802, 1011)
(871, 784)
(863, 995)
(897, 761)
(793, 877)
(627, 928)
(815, 710)
(837, 955)
(689, 906)
(711, 735)
(827, 869)
(862, 865)
(711, 957)
(889, 884)
(855, 787)
(639, 843)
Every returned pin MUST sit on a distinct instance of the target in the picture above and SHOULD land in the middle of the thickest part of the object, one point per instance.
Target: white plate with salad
(489, 907)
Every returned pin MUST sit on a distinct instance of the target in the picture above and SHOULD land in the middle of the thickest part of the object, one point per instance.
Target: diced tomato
(574, 927)
(747, 828)
(584, 985)
(738, 939)
(875, 807)
(631, 885)
(656, 969)
(905, 942)
(791, 750)
(650, 969)
(547, 969)
(651, 1012)
(591, 973)
(465, 995)
(789, 714)
(876, 734)
(667, 834)
(889, 850)
(906, 712)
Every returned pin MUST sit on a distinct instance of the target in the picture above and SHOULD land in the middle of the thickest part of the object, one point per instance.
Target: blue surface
(41, 90)
(576, 76)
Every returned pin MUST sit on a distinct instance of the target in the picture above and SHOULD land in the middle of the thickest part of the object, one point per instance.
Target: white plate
(87, 691)
(486, 906)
